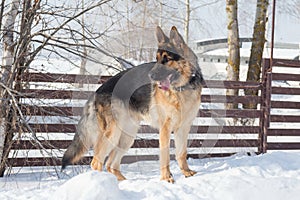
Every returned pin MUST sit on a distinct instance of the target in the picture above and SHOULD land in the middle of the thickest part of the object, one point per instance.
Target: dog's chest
(179, 107)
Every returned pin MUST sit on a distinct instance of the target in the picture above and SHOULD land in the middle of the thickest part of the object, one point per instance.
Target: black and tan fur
(165, 93)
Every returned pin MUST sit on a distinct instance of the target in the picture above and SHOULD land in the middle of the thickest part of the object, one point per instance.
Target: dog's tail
(74, 151)
(85, 136)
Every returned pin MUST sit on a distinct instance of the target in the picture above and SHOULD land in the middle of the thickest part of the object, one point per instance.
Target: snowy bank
(273, 176)
(90, 185)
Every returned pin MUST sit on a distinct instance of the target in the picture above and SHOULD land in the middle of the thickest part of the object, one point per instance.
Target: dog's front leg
(164, 145)
(181, 137)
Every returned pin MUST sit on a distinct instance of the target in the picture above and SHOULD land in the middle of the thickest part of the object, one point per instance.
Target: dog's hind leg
(115, 157)
(105, 145)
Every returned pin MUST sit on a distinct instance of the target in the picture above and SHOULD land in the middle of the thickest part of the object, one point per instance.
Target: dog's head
(176, 62)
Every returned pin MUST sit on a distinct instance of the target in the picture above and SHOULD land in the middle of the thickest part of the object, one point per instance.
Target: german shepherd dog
(165, 93)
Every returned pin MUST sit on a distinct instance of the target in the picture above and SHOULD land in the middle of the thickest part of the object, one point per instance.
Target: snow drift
(273, 176)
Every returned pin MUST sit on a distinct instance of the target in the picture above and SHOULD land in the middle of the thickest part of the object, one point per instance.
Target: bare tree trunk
(160, 14)
(16, 62)
(233, 67)
(7, 62)
(83, 63)
(141, 57)
(128, 50)
(187, 20)
(84, 56)
(1, 13)
(258, 42)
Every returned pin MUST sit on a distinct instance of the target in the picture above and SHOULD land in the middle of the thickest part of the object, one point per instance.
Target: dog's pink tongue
(165, 84)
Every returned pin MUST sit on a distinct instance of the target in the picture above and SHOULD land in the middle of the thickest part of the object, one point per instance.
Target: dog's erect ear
(176, 38)
(161, 37)
(181, 47)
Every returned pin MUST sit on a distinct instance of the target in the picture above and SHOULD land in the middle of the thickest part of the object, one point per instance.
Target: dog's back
(132, 87)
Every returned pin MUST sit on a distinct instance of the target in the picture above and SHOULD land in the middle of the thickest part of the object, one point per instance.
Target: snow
(274, 175)
(86, 186)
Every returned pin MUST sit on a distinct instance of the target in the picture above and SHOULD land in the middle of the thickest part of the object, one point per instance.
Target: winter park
(144, 99)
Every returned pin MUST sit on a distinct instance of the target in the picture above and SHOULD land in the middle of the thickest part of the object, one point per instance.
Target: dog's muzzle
(163, 75)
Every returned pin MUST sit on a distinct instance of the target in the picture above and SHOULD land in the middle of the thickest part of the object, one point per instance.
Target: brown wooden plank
(138, 143)
(63, 94)
(53, 128)
(77, 111)
(285, 118)
(71, 128)
(286, 63)
(43, 144)
(230, 99)
(31, 110)
(132, 159)
(94, 79)
(283, 132)
(285, 104)
(36, 161)
(246, 113)
(55, 94)
(63, 78)
(286, 90)
(51, 161)
(284, 146)
(232, 84)
(285, 77)
(226, 129)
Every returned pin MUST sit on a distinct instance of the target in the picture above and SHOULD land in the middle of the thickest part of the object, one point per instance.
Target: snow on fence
(52, 104)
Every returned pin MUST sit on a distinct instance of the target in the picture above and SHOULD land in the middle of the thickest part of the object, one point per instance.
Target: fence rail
(52, 110)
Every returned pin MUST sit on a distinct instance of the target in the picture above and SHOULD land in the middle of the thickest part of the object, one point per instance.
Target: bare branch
(65, 23)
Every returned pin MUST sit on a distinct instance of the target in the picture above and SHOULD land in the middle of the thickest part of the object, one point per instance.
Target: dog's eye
(165, 59)
(176, 57)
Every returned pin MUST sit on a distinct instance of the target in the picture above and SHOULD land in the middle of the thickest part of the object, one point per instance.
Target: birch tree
(233, 67)
(84, 53)
(258, 42)
(187, 20)
(7, 62)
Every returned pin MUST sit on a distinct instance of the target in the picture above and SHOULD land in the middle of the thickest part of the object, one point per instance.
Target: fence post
(265, 105)
(267, 111)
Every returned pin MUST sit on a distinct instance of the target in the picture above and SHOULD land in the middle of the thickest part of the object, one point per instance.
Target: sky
(287, 21)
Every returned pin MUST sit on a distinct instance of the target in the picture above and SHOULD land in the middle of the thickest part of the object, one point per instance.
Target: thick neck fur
(194, 83)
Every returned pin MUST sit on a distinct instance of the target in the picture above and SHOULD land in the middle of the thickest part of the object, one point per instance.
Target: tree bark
(84, 52)
(258, 42)
(1, 13)
(187, 20)
(7, 62)
(160, 14)
(233, 67)
(141, 51)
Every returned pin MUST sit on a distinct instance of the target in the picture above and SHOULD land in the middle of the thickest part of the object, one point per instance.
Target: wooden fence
(283, 122)
(52, 104)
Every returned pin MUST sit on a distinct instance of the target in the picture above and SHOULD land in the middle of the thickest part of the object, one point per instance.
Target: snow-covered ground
(273, 176)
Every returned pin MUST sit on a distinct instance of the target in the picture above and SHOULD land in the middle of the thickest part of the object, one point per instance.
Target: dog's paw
(96, 165)
(119, 176)
(117, 173)
(188, 173)
(169, 179)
